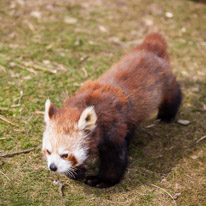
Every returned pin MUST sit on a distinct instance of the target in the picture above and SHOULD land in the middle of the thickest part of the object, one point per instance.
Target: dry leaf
(115, 40)
(2, 68)
(148, 22)
(103, 29)
(183, 30)
(176, 195)
(47, 62)
(204, 107)
(92, 43)
(70, 20)
(183, 122)
(36, 14)
(194, 157)
(12, 64)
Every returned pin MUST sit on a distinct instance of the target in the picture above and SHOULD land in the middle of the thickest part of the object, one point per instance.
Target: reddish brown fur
(127, 94)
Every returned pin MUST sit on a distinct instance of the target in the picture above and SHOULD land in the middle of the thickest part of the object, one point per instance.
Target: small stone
(183, 122)
(183, 30)
(169, 15)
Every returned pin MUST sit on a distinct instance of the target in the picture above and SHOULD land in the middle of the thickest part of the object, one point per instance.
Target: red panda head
(65, 139)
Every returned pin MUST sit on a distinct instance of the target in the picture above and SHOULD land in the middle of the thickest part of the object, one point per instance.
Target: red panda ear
(50, 110)
(87, 120)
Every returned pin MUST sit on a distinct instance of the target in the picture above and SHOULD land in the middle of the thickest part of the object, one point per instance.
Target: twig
(84, 58)
(149, 171)
(165, 192)
(39, 112)
(31, 26)
(19, 100)
(149, 134)
(8, 121)
(15, 105)
(19, 152)
(4, 175)
(38, 67)
(4, 109)
(85, 72)
(24, 67)
(61, 185)
(204, 137)
(151, 125)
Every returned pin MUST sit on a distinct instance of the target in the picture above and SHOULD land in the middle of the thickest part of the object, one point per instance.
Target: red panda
(103, 114)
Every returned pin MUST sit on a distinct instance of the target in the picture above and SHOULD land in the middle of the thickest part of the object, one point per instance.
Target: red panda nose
(53, 167)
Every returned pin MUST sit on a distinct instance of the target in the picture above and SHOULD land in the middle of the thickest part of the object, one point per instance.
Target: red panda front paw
(95, 181)
(78, 174)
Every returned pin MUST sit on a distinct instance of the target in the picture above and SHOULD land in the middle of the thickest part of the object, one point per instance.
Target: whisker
(74, 170)
(70, 172)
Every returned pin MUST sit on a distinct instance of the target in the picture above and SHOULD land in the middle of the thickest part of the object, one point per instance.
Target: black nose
(53, 167)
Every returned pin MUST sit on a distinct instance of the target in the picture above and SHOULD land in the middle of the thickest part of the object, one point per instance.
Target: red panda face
(65, 142)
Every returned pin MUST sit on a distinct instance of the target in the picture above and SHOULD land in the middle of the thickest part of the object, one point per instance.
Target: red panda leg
(79, 174)
(113, 162)
(169, 108)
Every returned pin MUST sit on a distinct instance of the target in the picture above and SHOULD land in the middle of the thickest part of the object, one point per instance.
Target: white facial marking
(62, 150)
(59, 144)
(80, 154)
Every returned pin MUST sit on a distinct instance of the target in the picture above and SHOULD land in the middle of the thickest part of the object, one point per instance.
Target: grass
(43, 33)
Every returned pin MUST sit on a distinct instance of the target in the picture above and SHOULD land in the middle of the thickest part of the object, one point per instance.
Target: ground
(48, 48)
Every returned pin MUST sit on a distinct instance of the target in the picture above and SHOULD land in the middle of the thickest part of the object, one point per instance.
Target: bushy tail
(155, 44)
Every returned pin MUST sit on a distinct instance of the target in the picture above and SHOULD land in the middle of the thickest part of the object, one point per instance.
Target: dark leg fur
(130, 135)
(113, 162)
(169, 109)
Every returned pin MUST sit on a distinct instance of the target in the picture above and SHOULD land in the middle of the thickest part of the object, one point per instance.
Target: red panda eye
(64, 156)
(87, 131)
(48, 152)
